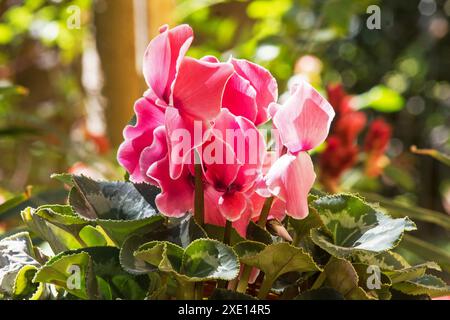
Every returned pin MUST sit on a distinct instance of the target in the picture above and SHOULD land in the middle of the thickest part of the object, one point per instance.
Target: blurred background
(70, 72)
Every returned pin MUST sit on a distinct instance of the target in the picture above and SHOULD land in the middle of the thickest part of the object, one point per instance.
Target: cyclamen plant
(214, 207)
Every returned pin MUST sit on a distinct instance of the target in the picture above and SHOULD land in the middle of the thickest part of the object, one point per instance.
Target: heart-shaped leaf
(60, 238)
(209, 259)
(92, 273)
(203, 259)
(277, 259)
(121, 208)
(411, 273)
(426, 284)
(353, 226)
(340, 275)
(374, 282)
(180, 231)
(71, 271)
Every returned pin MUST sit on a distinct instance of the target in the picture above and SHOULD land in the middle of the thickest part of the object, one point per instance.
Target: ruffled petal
(163, 57)
(177, 196)
(262, 81)
(304, 120)
(138, 137)
(199, 88)
(290, 179)
(154, 153)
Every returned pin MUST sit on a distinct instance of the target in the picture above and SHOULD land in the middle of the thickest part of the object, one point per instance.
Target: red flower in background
(339, 99)
(375, 145)
(342, 150)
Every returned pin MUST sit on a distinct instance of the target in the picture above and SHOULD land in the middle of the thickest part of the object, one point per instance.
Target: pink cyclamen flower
(249, 91)
(182, 90)
(232, 161)
(303, 123)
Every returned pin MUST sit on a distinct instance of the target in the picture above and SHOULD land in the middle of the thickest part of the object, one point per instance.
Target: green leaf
(92, 264)
(278, 259)
(203, 259)
(248, 248)
(16, 252)
(180, 231)
(24, 288)
(320, 294)
(353, 226)
(59, 240)
(340, 275)
(92, 237)
(411, 273)
(369, 279)
(209, 259)
(426, 284)
(380, 98)
(256, 233)
(63, 271)
(120, 208)
(387, 261)
(302, 228)
(65, 178)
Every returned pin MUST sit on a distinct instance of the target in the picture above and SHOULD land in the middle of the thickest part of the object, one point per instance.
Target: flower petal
(262, 81)
(304, 120)
(177, 196)
(199, 88)
(163, 57)
(240, 97)
(247, 143)
(220, 163)
(183, 135)
(232, 205)
(138, 137)
(212, 212)
(290, 179)
(154, 153)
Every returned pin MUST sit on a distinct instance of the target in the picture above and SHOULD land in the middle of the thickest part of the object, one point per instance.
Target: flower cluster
(199, 119)
(342, 150)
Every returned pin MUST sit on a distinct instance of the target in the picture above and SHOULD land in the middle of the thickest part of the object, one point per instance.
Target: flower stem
(199, 201)
(265, 212)
(227, 233)
(243, 281)
(265, 288)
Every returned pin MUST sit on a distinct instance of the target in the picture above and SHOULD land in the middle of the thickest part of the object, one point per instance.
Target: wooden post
(118, 28)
